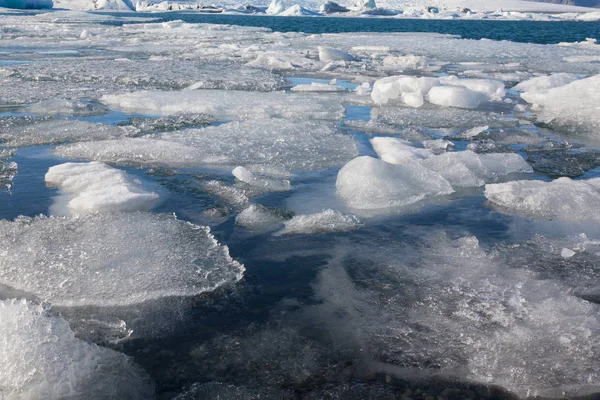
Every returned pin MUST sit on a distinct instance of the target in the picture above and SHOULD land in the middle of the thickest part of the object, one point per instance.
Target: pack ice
(41, 358)
(288, 144)
(562, 198)
(93, 187)
(112, 259)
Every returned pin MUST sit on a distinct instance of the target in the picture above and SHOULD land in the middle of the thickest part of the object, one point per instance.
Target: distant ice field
(196, 210)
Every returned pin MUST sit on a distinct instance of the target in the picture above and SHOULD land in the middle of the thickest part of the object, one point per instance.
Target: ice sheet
(112, 259)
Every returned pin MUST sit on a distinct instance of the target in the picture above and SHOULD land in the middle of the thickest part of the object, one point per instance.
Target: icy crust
(368, 183)
(562, 198)
(325, 221)
(574, 107)
(41, 358)
(291, 145)
(113, 259)
(230, 104)
(23, 131)
(96, 187)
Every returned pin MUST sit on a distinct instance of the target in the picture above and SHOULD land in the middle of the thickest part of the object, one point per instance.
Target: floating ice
(325, 221)
(492, 89)
(112, 259)
(317, 87)
(41, 358)
(260, 181)
(544, 83)
(330, 54)
(409, 90)
(258, 217)
(562, 198)
(398, 151)
(468, 169)
(229, 104)
(291, 145)
(574, 107)
(455, 96)
(19, 131)
(368, 183)
(92, 187)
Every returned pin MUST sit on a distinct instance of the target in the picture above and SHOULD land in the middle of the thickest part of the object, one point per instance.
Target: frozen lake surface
(335, 210)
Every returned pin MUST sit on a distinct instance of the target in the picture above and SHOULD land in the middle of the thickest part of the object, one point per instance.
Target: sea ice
(328, 54)
(398, 151)
(261, 182)
(562, 198)
(368, 183)
(8, 169)
(66, 108)
(257, 217)
(325, 221)
(317, 87)
(112, 259)
(468, 169)
(455, 96)
(545, 83)
(41, 358)
(574, 107)
(291, 145)
(96, 187)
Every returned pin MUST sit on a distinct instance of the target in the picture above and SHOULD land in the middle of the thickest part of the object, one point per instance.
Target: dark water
(541, 32)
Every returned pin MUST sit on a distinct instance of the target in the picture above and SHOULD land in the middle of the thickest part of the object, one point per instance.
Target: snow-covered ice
(112, 259)
(96, 187)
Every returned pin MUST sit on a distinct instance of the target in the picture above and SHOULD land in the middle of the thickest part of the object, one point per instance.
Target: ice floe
(112, 259)
(96, 187)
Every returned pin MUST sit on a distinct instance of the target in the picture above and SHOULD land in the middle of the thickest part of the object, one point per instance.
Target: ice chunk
(545, 83)
(468, 169)
(30, 132)
(409, 90)
(229, 104)
(567, 253)
(93, 187)
(330, 54)
(562, 198)
(368, 183)
(325, 221)
(317, 87)
(455, 96)
(291, 145)
(438, 145)
(258, 217)
(112, 259)
(491, 89)
(297, 11)
(398, 151)
(574, 107)
(260, 181)
(41, 358)
(275, 7)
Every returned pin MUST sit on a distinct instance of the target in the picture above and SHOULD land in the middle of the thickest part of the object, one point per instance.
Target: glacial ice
(283, 143)
(573, 107)
(229, 104)
(325, 221)
(41, 358)
(563, 198)
(468, 169)
(112, 259)
(367, 183)
(96, 187)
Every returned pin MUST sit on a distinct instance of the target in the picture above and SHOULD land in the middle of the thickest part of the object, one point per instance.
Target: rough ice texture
(19, 132)
(325, 221)
(96, 187)
(574, 107)
(258, 217)
(229, 104)
(292, 145)
(66, 108)
(8, 169)
(544, 83)
(41, 358)
(112, 259)
(367, 183)
(562, 198)
(466, 168)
